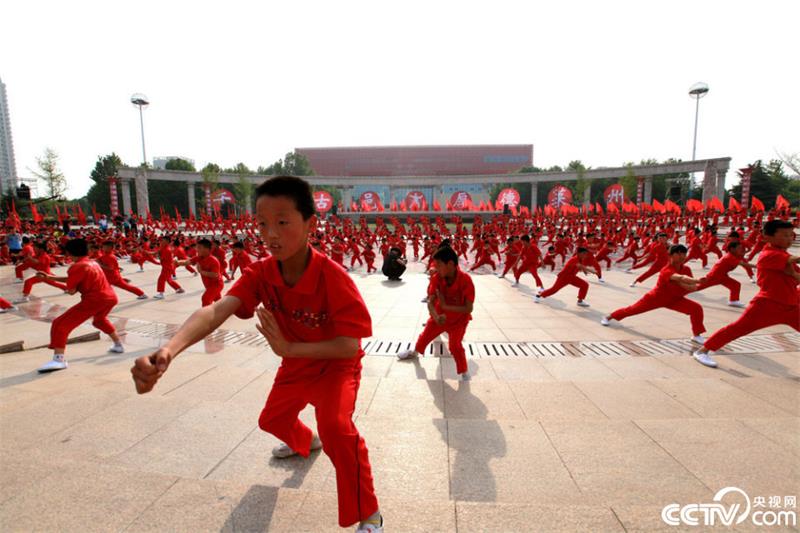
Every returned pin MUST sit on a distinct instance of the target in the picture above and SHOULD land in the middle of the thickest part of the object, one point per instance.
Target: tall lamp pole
(696, 91)
(141, 101)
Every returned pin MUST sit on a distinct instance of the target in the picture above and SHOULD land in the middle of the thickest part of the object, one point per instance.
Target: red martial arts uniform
(660, 256)
(568, 276)
(213, 284)
(97, 300)
(40, 263)
(718, 275)
(322, 305)
(461, 292)
(110, 268)
(167, 269)
(667, 294)
(776, 303)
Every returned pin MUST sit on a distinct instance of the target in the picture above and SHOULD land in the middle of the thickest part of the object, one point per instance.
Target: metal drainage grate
(780, 342)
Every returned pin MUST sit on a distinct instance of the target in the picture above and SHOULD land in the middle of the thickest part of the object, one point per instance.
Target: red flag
(734, 205)
(353, 206)
(437, 206)
(448, 206)
(81, 216)
(658, 206)
(403, 207)
(380, 206)
(758, 205)
(672, 207)
(612, 208)
(36, 216)
(94, 213)
(598, 208)
(178, 215)
(513, 210)
(58, 214)
(393, 205)
(693, 205)
(781, 202)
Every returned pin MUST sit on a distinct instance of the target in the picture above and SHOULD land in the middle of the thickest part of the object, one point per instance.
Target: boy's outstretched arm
(147, 370)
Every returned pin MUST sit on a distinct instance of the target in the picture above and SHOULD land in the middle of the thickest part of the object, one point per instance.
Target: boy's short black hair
(771, 227)
(661, 234)
(677, 249)
(581, 250)
(77, 248)
(42, 245)
(204, 242)
(292, 187)
(446, 255)
(733, 245)
(444, 244)
(525, 238)
(238, 244)
(108, 243)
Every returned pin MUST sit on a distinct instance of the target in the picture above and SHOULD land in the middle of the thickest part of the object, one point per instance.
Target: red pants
(533, 268)
(371, 266)
(482, 262)
(655, 268)
(726, 281)
(211, 295)
(122, 284)
(549, 261)
(510, 262)
(681, 305)
(333, 394)
(21, 268)
(563, 281)
(5, 304)
(76, 315)
(166, 278)
(698, 255)
(455, 334)
(761, 313)
(30, 282)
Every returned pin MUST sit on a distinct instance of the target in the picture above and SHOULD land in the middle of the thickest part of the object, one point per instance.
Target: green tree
(98, 195)
(292, 164)
(767, 182)
(629, 182)
(49, 172)
(179, 164)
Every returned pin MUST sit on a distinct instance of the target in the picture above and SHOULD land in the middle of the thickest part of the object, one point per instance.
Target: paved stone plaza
(566, 426)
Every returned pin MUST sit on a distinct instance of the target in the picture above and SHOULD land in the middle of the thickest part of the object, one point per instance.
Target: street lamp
(140, 100)
(696, 91)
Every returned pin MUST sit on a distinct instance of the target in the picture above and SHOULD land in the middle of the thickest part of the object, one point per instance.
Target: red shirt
(669, 289)
(459, 293)
(322, 305)
(87, 277)
(721, 268)
(775, 284)
(570, 268)
(110, 266)
(209, 263)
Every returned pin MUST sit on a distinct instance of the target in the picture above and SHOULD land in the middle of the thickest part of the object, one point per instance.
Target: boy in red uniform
(778, 301)
(314, 319)
(529, 262)
(451, 294)
(658, 255)
(108, 262)
(675, 281)
(719, 273)
(40, 263)
(97, 300)
(369, 257)
(209, 269)
(240, 258)
(569, 276)
(167, 270)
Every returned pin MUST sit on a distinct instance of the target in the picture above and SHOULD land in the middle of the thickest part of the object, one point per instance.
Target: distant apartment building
(160, 162)
(8, 166)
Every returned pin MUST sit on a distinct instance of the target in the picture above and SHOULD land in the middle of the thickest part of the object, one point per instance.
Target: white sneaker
(142, 297)
(424, 300)
(705, 359)
(699, 339)
(737, 303)
(58, 363)
(370, 528)
(8, 309)
(159, 296)
(282, 450)
(628, 270)
(516, 283)
(179, 291)
(601, 280)
(582, 303)
(408, 354)
(140, 269)
(22, 299)
(752, 280)
(605, 321)
(632, 284)
(537, 299)
(465, 376)
(117, 348)
(18, 280)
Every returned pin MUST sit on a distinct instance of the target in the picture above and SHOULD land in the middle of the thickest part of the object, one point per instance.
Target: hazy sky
(605, 82)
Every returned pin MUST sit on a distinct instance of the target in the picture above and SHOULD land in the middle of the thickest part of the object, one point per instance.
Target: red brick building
(419, 160)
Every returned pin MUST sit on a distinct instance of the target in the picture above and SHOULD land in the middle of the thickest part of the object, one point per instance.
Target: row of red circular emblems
(614, 194)
(323, 201)
(558, 196)
(460, 201)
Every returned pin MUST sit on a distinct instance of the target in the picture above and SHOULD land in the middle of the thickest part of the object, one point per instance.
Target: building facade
(8, 166)
(160, 162)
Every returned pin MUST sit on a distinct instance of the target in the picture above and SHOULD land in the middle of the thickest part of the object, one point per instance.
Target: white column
(126, 197)
(192, 201)
(142, 196)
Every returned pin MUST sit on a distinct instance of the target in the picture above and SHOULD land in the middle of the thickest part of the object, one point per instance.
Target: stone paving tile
(490, 461)
(615, 462)
(636, 400)
(782, 393)
(578, 369)
(507, 518)
(88, 497)
(785, 432)
(724, 452)
(404, 398)
(641, 368)
(554, 400)
(520, 369)
(480, 400)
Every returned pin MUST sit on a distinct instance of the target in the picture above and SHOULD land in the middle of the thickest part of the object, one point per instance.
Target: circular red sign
(614, 194)
(223, 196)
(460, 200)
(415, 201)
(558, 196)
(508, 197)
(369, 199)
(323, 201)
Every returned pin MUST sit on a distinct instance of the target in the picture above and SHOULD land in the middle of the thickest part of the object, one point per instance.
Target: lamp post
(141, 101)
(696, 91)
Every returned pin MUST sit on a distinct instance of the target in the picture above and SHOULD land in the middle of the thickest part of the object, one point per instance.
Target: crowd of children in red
(293, 278)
